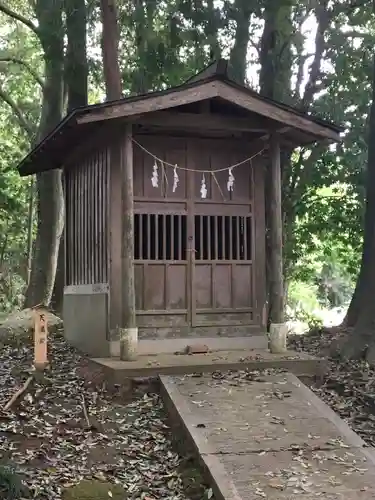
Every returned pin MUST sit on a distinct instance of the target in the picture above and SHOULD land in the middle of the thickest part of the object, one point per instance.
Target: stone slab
(270, 437)
(173, 364)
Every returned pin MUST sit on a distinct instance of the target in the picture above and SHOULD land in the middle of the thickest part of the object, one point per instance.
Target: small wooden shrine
(165, 219)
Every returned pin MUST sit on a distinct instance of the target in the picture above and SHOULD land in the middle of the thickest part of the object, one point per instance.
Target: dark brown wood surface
(128, 286)
(276, 235)
(115, 235)
(241, 97)
(87, 199)
(152, 103)
(194, 257)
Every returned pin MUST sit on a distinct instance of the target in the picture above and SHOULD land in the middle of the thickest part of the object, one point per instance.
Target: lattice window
(160, 237)
(220, 237)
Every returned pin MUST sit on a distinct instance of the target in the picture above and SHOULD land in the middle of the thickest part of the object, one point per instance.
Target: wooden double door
(194, 257)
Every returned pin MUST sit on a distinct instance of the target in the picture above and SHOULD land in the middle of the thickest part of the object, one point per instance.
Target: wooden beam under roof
(233, 94)
(151, 103)
(257, 105)
(199, 121)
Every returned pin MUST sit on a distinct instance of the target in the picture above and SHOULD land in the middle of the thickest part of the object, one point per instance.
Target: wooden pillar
(128, 330)
(276, 235)
(115, 236)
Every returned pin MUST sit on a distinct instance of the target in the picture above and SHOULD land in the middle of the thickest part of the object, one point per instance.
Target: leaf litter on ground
(348, 387)
(46, 439)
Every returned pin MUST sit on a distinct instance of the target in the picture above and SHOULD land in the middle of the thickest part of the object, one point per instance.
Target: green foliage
(11, 486)
(303, 304)
(335, 287)
(162, 44)
(303, 297)
(21, 70)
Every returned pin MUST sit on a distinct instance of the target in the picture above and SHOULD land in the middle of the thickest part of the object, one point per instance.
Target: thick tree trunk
(76, 69)
(127, 331)
(76, 76)
(354, 309)
(30, 224)
(50, 203)
(361, 314)
(110, 39)
(57, 298)
(275, 77)
(275, 51)
(242, 12)
(143, 19)
(212, 30)
(275, 81)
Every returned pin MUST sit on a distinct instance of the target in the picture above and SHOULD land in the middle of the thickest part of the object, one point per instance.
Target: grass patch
(95, 490)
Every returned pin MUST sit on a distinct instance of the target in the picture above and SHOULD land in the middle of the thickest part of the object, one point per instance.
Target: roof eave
(22, 167)
(214, 85)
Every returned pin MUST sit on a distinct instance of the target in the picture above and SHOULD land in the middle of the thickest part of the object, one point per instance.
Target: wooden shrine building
(165, 211)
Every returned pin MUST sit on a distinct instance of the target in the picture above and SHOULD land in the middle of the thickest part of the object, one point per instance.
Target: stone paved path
(269, 436)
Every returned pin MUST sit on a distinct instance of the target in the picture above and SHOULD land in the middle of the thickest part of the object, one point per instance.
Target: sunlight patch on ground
(329, 318)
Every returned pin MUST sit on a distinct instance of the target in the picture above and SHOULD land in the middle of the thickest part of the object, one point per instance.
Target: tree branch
(295, 31)
(18, 17)
(17, 111)
(256, 46)
(354, 34)
(347, 7)
(32, 72)
(302, 176)
(297, 167)
(299, 77)
(323, 18)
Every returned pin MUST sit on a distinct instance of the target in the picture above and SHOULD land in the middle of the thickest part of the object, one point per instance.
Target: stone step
(117, 371)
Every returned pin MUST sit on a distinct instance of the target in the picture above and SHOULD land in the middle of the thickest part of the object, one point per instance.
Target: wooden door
(222, 284)
(161, 268)
(161, 257)
(193, 257)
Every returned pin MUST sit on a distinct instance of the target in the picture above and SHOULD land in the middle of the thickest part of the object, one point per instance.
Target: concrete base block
(277, 338)
(128, 343)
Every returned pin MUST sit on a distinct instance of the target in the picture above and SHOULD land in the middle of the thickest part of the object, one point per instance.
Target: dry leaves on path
(349, 386)
(46, 437)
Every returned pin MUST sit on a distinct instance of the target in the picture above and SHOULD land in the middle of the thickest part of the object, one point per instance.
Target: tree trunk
(110, 39)
(127, 331)
(275, 82)
(243, 10)
(76, 69)
(30, 224)
(76, 77)
(140, 77)
(50, 203)
(275, 51)
(212, 30)
(361, 313)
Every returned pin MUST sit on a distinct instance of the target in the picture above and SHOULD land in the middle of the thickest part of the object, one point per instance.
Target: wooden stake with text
(40, 339)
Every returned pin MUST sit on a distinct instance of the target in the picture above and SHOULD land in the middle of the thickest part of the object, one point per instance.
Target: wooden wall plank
(87, 199)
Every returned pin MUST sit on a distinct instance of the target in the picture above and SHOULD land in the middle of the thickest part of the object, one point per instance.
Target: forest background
(316, 55)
